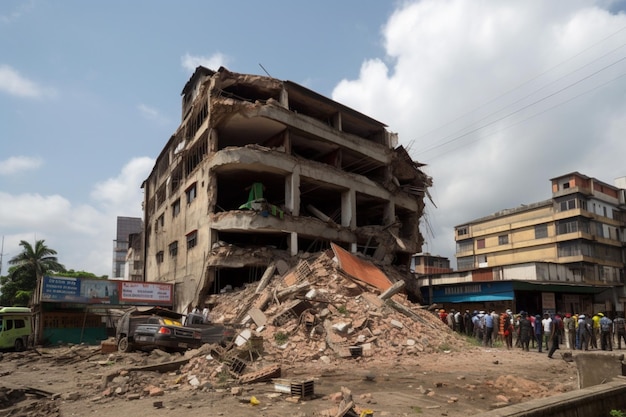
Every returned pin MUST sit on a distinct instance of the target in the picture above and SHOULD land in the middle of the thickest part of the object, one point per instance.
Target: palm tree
(33, 263)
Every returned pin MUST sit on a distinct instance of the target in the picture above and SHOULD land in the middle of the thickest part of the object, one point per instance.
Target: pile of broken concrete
(329, 307)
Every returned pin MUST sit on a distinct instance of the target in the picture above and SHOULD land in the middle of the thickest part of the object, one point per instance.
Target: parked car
(166, 334)
(156, 327)
(15, 328)
(126, 331)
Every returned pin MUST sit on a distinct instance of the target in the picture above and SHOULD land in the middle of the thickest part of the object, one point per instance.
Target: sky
(496, 97)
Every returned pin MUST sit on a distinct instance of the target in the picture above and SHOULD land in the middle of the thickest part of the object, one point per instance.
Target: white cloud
(13, 83)
(33, 211)
(123, 194)
(498, 98)
(213, 62)
(19, 164)
(81, 234)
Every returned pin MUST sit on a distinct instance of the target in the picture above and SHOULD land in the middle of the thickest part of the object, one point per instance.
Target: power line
(1, 254)
(525, 83)
(540, 113)
(458, 137)
(525, 97)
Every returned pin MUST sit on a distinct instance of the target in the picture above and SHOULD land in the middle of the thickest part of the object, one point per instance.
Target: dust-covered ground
(337, 346)
(465, 380)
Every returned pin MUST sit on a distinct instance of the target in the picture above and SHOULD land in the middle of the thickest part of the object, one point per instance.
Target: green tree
(70, 273)
(12, 284)
(28, 268)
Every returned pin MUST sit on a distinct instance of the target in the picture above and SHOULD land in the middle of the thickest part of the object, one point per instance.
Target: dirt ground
(466, 380)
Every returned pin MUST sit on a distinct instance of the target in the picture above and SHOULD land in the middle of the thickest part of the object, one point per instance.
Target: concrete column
(287, 142)
(293, 244)
(337, 121)
(348, 209)
(213, 140)
(284, 98)
(390, 213)
(292, 192)
(211, 238)
(212, 193)
(292, 202)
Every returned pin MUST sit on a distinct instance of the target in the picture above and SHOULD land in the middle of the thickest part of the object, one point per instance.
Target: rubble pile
(27, 402)
(315, 311)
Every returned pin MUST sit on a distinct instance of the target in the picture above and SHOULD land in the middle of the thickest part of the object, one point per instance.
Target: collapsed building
(261, 171)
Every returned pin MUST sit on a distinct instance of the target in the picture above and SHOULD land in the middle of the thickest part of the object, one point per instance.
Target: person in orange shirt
(506, 329)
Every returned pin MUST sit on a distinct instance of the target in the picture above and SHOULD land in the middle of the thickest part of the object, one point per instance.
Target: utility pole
(1, 253)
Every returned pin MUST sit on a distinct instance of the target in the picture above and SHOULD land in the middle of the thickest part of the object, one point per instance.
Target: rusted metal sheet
(483, 274)
(361, 269)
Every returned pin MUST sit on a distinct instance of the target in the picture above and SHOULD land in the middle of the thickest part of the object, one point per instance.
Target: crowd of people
(542, 332)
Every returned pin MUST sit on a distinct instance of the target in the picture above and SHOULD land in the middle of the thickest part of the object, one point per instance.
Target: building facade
(133, 270)
(125, 227)
(570, 248)
(426, 264)
(261, 171)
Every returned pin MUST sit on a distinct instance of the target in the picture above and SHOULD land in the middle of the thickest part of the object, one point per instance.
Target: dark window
(541, 231)
(464, 245)
(567, 226)
(503, 240)
(191, 193)
(159, 257)
(461, 231)
(19, 324)
(173, 248)
(161, 194)
(9, 324)
(568, 205)
(176, 208)
(466, 262)
(192, 239)
(599, 229)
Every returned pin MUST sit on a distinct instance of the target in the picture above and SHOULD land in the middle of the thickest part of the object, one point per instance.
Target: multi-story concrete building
(262, 170)
(125, 227)
(564, 253)
(425, 264)
(133, 270)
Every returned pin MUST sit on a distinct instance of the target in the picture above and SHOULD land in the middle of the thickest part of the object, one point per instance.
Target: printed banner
(99, 291)
(133, 292)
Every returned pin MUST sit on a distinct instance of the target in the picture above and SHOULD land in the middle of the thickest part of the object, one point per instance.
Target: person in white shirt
(547, 329)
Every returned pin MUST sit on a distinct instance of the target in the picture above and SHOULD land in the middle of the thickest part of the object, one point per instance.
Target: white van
(16, 327)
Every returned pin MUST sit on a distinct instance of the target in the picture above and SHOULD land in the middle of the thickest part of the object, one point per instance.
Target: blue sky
(497, 97)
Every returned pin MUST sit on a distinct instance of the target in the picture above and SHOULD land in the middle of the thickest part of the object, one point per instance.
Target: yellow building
(562, 254)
